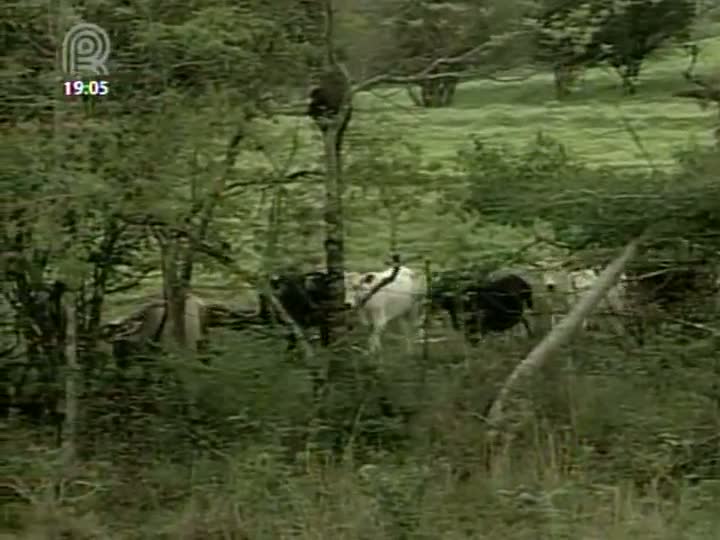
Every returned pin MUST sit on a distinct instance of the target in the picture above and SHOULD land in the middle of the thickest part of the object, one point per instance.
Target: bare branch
(382, 283)
(696, 326)
(329, 37)
(428, 72)
(563, 332)
(518, 78)
(208, 206)
(125, 287)
(637, 140)
(707, 91)
(290, 178)
(281, 171)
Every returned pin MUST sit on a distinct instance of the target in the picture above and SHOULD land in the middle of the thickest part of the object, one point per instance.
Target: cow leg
(416, 323)
(585, 324)
(408, 329)
(526, 324)
(325, 333)
(472, 329)
(292, 342)
(379, 324)
(374, 342)
(421, 322)
(636, 327)
(454, 319)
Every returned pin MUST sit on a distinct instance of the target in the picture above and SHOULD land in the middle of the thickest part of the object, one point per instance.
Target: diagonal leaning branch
(427, 73)
(563, 332)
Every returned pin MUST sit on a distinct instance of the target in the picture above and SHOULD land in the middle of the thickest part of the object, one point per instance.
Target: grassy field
(590, 122)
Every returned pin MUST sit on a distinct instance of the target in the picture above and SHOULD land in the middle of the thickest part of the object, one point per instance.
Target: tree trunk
(175, 292)
(72, 383)
(563, 81)
(417, 101)
(334, 216)
(438, 92)
(629, 75)
(628, 84)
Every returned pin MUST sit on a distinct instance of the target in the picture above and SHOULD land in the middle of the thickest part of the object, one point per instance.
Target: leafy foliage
(422, 32)
(585, 205)
(621, 34)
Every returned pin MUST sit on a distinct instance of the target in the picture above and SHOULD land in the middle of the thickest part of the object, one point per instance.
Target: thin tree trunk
(562, 82)
(206, 208)
(174, 292)
(72, 383)
(334, 226)
(333, 134)
(417, 100)
(438, 92)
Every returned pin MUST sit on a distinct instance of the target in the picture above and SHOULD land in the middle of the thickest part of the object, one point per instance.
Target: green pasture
(592, 122)
(595, 124)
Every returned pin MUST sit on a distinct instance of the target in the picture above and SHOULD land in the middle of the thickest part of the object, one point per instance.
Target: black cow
(486, 305)
(447, 287)
(305, 298)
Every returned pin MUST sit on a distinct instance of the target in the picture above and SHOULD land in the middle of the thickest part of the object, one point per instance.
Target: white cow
(402, 299)
(565, 289)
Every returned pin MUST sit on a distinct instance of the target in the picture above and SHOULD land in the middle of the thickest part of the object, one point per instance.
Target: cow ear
(310, 281)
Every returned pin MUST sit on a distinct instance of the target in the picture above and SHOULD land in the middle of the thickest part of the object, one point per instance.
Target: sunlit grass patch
(591, 122)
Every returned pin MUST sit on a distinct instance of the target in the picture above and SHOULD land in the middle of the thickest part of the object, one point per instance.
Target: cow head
(551, 280)
(277, 282)
(356, 287)
(582, 280)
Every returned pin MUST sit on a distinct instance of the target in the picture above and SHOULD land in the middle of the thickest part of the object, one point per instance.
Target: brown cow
(150, 324)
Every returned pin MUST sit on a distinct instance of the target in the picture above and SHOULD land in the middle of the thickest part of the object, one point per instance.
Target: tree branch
(428, 72)
(562, 333)
(207, 209)
(382, 283)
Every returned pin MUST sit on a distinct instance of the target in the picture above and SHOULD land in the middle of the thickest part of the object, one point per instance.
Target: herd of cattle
(477, 303)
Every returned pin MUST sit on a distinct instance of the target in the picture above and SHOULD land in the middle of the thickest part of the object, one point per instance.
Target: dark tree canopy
(622, 35)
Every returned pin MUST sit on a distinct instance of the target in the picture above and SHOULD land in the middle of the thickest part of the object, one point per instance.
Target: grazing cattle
(485, 305)
(305, 298)
(565, 289)
(133, 334)
(401, 299)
